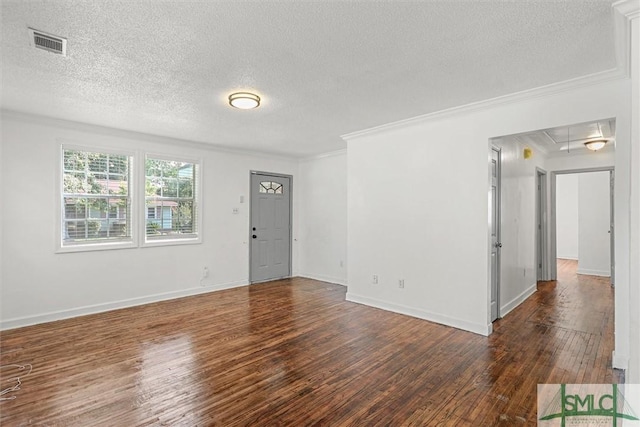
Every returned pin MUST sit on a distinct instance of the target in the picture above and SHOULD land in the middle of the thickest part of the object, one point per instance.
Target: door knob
(254, 236)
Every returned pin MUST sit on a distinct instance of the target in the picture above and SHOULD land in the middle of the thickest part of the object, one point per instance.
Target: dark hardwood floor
(295, 353)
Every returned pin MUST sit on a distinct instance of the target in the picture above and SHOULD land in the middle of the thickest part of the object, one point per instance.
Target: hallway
(575, 316)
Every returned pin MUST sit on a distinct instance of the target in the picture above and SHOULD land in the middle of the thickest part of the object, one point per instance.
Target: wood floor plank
(294, 353)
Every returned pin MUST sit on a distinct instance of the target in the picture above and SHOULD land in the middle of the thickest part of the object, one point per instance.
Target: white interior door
(495, 233)
(270, 233)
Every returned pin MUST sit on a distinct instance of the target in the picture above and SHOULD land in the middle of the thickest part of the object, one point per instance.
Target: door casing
(542, 257)
(553, 250)
(494, 243)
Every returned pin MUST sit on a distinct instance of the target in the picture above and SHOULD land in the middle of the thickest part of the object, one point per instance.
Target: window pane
(184, 217)
(170, 199)
(185, 187)
(73, 161)
(170, 187)
(118, 165)
(119, 187)
(90, 215)
(75, 207)
(73, 182)
(75, 230)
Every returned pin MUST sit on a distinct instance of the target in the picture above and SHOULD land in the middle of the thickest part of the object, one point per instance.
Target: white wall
(634, 365)
(323, 217)
(633, 15)
(518, 227)
(40, 285)
(593, 219)
(418, 203)
(567, 216)
(1, 222)
(604, 158)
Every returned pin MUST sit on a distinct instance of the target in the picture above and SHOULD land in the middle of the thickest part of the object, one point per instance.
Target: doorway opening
(582, 220)
(522, 244)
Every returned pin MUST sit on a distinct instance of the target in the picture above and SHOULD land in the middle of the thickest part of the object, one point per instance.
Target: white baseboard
(19, 322)
(323, 278)
(619, 361)
(476, 328)
(590, 272)
(570, 257)
(505, 309)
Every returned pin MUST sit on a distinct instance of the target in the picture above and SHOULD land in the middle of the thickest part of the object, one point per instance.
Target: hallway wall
(567, 216)
(518, 236)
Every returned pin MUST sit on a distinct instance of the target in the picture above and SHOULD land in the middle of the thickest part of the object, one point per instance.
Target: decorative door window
(270, 187)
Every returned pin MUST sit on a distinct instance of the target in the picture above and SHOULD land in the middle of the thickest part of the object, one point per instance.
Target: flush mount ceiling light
(596, 144)
(244, 100)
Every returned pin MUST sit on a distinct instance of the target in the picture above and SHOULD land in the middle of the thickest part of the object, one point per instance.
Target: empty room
(295, 213)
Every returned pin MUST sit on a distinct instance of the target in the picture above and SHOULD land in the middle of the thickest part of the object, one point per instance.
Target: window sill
(172, 242)
(90, 247)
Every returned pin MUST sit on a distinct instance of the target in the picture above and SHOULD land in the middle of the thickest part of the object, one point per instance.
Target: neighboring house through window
(96, 206)
(170, 199)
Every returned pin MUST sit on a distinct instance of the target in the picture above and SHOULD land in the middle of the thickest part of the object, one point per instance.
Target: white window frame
(187, 239)
(132, 240)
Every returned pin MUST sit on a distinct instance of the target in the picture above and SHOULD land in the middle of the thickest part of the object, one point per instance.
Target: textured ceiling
(569, 140)
(323, 69)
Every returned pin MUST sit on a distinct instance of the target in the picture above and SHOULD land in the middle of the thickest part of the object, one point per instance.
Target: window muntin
(170, 199)
(95, 197)
(270, 187)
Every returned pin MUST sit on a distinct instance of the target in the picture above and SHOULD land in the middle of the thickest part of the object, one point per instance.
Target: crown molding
(128, 134)
(539, 92)
(623, 11)
(628, 8)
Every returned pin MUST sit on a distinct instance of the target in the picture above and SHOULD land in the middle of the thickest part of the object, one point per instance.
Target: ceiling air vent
(48, 42)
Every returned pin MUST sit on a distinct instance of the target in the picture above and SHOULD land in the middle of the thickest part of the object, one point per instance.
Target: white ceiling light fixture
(596, 144)
(244, 100)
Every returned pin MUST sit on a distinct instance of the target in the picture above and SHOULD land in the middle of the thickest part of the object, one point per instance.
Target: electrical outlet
(205, 272)
(375, 279)
(401, 283)
(341, 263)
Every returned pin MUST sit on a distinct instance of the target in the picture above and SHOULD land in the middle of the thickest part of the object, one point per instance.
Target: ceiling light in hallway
(596, 144)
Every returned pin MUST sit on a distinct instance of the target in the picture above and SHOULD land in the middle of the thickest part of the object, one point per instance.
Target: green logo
(585, 403)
